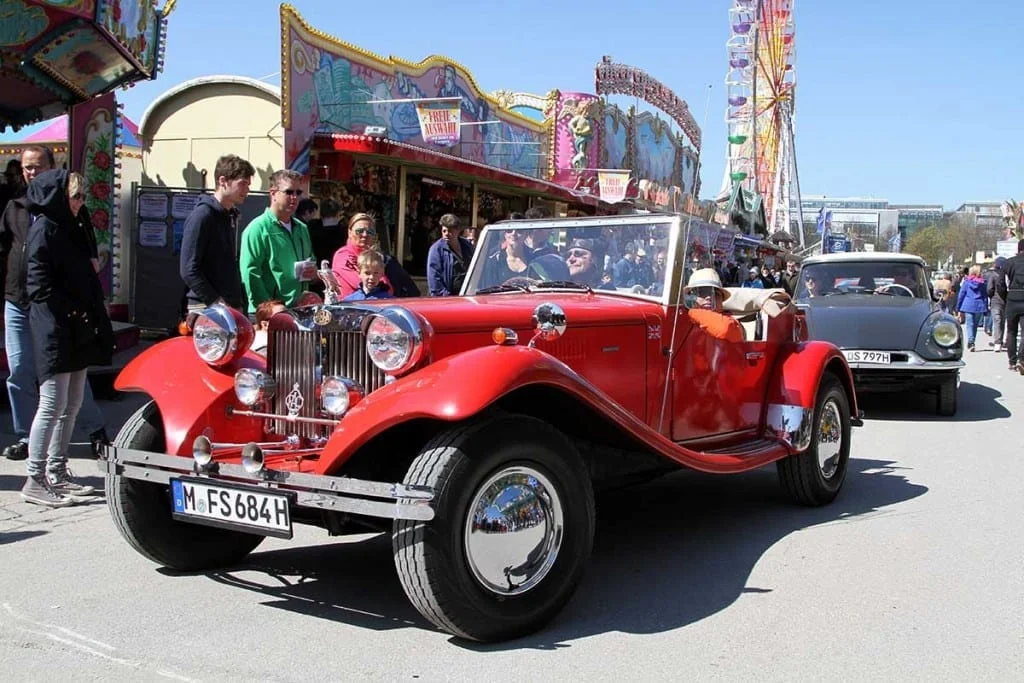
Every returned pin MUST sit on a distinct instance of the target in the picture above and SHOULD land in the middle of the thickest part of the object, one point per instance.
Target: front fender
(191, 395)
(799, 371)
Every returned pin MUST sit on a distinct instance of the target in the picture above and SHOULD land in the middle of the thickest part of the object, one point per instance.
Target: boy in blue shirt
(371, 274)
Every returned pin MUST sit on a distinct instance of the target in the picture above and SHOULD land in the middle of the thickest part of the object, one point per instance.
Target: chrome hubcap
(830, 438)
(513, 530)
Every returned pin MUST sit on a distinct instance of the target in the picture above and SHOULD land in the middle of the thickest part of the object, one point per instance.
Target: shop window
(370, 188)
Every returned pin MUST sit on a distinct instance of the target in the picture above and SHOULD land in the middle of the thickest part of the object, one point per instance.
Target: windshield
(892, 278)
(628, 258)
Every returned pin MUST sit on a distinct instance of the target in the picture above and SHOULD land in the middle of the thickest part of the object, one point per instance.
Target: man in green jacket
(277, 254)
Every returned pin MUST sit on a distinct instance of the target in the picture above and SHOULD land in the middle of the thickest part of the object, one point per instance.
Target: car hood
(854, 321)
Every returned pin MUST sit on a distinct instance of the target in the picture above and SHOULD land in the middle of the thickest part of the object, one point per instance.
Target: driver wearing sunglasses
(706, 307)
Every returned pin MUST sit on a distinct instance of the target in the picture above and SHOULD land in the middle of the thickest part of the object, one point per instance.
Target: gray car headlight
(946, 333)
(395, 340)
(253, 386)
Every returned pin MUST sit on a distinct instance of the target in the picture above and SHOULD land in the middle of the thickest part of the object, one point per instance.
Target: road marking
(87, 645)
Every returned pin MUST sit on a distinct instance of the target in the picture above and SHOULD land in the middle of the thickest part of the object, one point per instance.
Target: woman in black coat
(70, 330)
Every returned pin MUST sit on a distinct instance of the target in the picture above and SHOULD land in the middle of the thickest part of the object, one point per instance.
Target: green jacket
(268, 257)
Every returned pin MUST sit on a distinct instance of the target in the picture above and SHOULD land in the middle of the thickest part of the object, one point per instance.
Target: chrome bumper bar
(339, 494)
(913, 362)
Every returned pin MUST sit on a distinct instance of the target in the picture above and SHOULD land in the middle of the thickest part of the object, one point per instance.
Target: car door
(718, 386)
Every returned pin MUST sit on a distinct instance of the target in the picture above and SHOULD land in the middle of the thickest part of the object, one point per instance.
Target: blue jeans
(60, 397)
(22, 385)
(971, 322)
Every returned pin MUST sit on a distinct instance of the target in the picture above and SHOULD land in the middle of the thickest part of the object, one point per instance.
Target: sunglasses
(703, 292)
(291, 193)
(514, 231)
(78, 197)
(578, 253)
(365, 231)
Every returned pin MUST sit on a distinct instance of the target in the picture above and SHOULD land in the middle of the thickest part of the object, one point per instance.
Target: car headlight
(394, 340)
(946, 333)
(338, 394)
(253, 386)
(221, 334)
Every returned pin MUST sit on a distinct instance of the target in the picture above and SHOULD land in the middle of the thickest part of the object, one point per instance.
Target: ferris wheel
(761, 87)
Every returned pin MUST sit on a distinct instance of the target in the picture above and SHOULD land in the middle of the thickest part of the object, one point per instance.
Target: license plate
(880, 357)
(231, 507)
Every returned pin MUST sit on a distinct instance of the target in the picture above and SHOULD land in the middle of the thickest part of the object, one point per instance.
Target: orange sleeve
(718, 325)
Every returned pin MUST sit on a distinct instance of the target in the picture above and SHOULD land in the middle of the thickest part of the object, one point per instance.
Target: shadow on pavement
(975, 403)
(667, 554)
(8, 537)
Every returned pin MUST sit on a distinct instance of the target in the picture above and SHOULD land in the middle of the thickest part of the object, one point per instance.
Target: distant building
(987, 214)
(866, 220)
(913, 217)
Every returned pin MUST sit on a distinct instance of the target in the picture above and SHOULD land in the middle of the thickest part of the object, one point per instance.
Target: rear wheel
(815, 476)
(513, 528)
(946, 403)
(142, 511)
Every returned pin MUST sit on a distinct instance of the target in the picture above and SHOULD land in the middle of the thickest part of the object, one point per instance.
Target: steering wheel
(906, 289)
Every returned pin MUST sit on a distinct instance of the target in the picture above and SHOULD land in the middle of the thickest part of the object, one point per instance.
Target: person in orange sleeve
(706, 311)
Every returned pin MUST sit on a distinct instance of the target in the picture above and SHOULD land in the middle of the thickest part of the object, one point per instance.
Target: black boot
(16, 451)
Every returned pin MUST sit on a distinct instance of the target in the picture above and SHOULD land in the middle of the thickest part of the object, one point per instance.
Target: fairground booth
(67, 57)
(410, 142)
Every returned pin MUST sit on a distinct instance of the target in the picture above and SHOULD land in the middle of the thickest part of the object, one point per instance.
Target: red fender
(460, 386)
(191, 394)
(798, 373)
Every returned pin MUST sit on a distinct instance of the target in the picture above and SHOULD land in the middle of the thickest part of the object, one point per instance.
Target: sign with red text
(440, 122)
(612, 185)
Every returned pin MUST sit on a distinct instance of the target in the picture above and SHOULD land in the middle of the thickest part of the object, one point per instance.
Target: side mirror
(549, 322)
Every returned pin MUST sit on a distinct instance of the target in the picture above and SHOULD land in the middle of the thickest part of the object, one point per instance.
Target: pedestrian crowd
(55, 323)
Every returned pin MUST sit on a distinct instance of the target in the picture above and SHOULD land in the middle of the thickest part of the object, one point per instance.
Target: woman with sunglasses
(810, 287)
(362, 235)
(70, 330)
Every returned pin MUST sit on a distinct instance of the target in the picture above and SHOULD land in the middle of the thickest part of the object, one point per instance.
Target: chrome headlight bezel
(220, 335)
(951, 327)
(253, 386)
(339, 394)
(395, 340)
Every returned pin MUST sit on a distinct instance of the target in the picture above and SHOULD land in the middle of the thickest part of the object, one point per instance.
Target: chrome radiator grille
(305, 358)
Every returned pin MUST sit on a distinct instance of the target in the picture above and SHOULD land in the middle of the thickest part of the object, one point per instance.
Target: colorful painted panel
(615, 138)
(80, 8)
(93, 134)
(331, 86)
(577, 129)
(135, 24)
(656, 150)
(21, 23)
(82, 61)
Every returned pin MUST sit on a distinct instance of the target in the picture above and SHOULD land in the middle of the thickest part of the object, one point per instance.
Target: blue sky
(917, 102)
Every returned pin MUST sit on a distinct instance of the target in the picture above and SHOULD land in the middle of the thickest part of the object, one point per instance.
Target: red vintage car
(476, 429)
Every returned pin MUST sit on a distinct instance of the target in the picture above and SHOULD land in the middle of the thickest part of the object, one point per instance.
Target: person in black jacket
(209, 262)
(1012, 285)
(70, 331)
(995, 323)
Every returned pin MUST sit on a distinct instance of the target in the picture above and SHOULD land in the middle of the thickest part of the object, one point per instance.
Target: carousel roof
(57, 131)
(55, 54)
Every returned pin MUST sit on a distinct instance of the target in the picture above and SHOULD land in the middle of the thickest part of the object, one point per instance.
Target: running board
(749, 449)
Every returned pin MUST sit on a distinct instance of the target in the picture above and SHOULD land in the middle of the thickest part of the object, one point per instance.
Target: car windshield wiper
(501, 288)
(562, 284)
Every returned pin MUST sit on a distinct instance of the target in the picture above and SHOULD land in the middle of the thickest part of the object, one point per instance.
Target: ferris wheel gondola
(760, 91)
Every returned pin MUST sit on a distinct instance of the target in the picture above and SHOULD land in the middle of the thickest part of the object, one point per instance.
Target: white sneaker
(998, 348)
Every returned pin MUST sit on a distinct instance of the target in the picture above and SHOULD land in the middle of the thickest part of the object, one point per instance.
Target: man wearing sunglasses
(705, 307)
(276, 259)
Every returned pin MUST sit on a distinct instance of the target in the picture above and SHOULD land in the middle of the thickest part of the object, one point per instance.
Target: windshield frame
(477, 264)
(835, 269)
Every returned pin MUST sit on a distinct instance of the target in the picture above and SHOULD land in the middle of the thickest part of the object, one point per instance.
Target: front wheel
(946, 403)
(512, 532)
(142, 511)
(815, 476)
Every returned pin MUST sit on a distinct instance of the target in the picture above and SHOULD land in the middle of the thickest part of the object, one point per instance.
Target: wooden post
(402, 192)
(476, 205)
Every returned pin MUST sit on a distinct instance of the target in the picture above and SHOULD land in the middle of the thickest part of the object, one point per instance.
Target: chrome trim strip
(286, 418)
(312, 490)
(792, 424)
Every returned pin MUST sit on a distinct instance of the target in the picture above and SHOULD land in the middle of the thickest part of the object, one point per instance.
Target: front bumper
(317, 491)
(907, 371)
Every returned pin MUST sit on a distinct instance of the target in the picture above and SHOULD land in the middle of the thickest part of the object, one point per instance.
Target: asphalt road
(915, 573)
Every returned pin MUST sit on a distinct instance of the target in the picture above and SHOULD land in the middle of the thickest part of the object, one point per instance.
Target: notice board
(157, 293)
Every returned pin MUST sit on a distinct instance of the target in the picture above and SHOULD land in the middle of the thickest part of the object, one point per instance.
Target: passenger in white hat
(706, 288)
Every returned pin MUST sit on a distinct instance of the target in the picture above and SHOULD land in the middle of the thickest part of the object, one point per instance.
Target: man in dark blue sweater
(209, 264)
